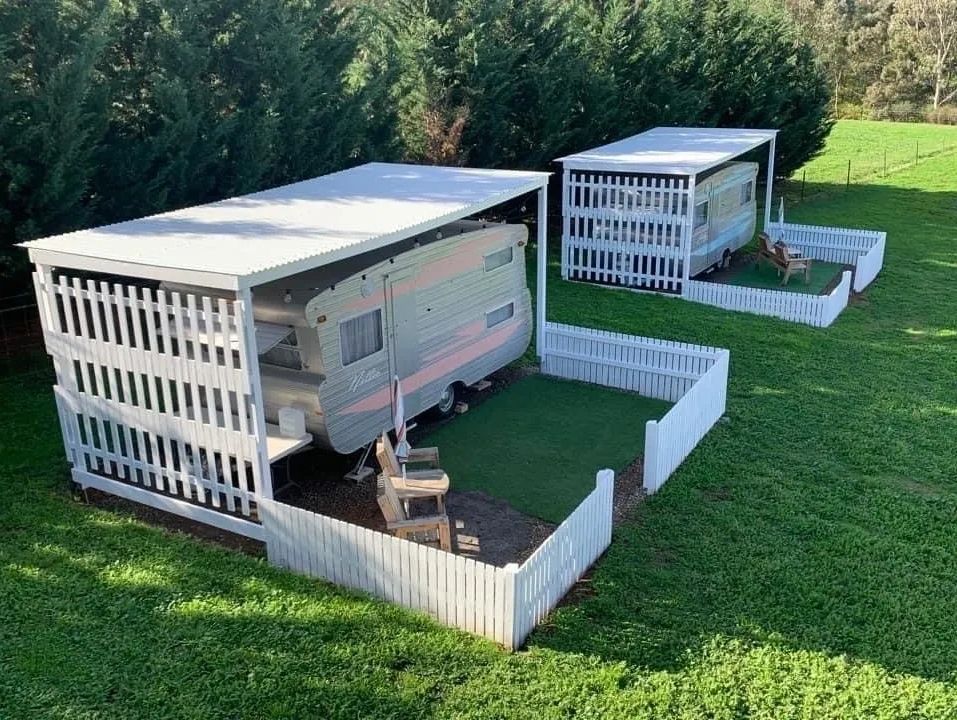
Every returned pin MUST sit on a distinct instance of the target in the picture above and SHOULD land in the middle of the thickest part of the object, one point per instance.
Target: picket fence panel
(502, 604)
(661, 369)
(671, 439)
(864, 249)
(814, 310)
(559, 562)
(154, 396)
(624, 229)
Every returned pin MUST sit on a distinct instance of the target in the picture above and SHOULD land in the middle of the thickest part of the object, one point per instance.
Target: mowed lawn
(539, 443)
(800, 564)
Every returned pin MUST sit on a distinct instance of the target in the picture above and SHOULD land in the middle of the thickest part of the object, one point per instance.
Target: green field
(866, 143)
(800, 564)
(539, 443)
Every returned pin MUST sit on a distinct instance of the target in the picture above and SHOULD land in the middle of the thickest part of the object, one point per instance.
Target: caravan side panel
(469, 322)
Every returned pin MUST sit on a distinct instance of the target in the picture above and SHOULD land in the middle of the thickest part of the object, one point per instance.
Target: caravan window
(499, 315)
(700, 215)
(498, 258)
(284, 354)
(360, 336)
(747, 192)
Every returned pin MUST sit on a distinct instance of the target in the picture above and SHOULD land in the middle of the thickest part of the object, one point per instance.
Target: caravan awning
(246, 241)
(670, 150)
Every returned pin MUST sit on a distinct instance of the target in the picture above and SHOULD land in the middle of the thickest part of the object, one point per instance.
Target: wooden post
(848, 185)
(885, 162)
(542, 269)
(769, 190)
(916, 152)
(512, 628)
(803, 182)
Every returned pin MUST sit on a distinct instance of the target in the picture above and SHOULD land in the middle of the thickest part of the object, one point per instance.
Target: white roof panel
(670, 150)
(252, 239)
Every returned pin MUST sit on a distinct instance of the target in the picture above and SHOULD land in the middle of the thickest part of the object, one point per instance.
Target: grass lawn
(800, 564)
(539, 443)
(766, 276)
(865, 142)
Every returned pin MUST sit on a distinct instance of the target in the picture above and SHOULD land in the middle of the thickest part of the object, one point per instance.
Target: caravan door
(402, 337)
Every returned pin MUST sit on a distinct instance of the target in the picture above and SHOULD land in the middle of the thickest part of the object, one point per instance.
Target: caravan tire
(446, 404)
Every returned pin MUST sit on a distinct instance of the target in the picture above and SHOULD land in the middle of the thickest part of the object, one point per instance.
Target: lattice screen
(153, 389)
(629, 230)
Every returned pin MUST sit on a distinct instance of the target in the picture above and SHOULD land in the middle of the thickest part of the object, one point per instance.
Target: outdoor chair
(399, 522)
(414, 484)
(783, 258)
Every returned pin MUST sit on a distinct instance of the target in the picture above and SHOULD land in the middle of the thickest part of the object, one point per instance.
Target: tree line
(894, 59)
(113, 109)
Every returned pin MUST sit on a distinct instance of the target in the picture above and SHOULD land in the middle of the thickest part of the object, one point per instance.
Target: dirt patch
(743, 260)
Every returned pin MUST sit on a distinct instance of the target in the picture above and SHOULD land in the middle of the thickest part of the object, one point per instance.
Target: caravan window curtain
(360, 336)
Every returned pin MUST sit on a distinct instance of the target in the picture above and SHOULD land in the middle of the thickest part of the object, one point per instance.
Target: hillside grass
(800, 564)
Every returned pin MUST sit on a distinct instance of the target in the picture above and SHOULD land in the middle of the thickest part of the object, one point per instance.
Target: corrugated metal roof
(252, 239)
(670, 150)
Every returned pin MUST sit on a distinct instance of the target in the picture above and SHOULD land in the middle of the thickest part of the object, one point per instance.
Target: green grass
(766, 276)
(539, 443)
(800, 564)
(865, 142)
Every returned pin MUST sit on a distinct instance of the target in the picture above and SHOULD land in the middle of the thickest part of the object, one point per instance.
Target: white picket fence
(155, 397)
(502, 604)
(864, 249)
(695, 377)
(670, 440)
(815, 310)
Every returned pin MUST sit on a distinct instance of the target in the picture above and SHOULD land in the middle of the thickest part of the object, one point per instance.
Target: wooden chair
(783, 258)
(416, 484)
(397, 518)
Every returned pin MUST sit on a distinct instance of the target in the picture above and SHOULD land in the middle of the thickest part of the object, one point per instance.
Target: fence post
(803, 181)
(650, 478)
(917, 152)
(606, 484)
(510, 606)
(848, 185)
(885, 162)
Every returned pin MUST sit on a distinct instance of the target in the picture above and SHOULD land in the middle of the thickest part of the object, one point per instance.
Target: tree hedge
(112, 109)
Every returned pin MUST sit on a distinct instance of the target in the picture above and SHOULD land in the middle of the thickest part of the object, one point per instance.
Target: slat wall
(864, 249)
(153, 392)
(671, 439)
(661, 369)
(815, 310)
(559, 562)
(502, 604)
(624, 230)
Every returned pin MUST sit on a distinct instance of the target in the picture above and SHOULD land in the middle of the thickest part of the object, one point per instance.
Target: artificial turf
(539, 442)
(800, 563)
(766, 276)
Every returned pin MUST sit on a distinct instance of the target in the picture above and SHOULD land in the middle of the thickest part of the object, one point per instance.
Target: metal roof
(670, 150)
(249, 240)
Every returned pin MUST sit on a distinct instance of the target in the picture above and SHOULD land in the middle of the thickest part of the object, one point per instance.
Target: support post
(686, 235)
(542, 270)
(251, 365)
(769, 190)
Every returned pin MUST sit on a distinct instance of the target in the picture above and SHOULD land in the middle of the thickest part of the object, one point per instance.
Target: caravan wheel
(447, 400)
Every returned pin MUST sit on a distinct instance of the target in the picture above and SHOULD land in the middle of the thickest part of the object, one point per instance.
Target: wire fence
(21, 337)
(841, 173)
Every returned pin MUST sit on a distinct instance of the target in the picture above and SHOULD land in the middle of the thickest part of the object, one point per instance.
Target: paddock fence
(814, 310)
(694, 377)
(864, 249)
(503, 604)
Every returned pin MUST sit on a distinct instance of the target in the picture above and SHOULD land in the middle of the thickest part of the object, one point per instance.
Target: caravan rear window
(498, 258)
(499, 315)
(284, 353)
(360, 336)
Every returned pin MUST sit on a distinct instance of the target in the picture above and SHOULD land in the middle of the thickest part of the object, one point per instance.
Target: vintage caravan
(441, 312)
(724, 215)
(724, 219)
